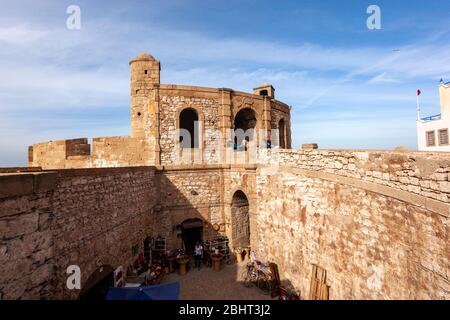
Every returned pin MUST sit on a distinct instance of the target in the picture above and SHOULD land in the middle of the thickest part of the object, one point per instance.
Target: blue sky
(349, 87)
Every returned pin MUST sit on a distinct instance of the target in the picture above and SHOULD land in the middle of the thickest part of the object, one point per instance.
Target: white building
(433, 132)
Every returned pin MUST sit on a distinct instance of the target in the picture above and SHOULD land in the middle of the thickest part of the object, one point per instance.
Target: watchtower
(145, 80)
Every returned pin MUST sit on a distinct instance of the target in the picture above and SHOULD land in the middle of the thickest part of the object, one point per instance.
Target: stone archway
(240, 220)
(245, 127)
(191, 233)
(189, 128)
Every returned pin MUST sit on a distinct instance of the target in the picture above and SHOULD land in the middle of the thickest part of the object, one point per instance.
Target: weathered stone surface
(416, 172)
(374, 239)
(17, 226)
(88, 216)
(372, 246)
(17, 184)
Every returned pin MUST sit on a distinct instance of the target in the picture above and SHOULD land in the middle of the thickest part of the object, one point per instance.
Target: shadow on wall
(182, 214)
(189, 209)
(100, 219)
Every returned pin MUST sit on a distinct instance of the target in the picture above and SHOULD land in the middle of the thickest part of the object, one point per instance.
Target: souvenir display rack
(220, 244)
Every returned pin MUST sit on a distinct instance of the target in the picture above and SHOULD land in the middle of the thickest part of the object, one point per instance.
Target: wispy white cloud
(20, 35)
(383, 78)
(49, 87)
(44, 69)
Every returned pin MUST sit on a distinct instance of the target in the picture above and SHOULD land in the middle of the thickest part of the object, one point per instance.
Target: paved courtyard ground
(207, 284)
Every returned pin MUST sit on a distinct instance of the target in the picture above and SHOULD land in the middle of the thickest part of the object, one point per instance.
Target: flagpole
(418, 106)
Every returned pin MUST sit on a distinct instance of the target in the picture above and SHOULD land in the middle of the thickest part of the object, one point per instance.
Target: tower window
(146, 71)
(139, 114)
(263, 93)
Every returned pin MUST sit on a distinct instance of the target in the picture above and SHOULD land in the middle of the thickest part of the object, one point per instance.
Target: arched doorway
(244, 126)
(191, 232)
(282, 133)
(240, 222)
(189, 129)
(98, 284)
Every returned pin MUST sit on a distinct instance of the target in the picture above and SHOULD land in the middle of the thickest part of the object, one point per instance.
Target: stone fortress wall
(376, 221)
(52, 219)
(85, 217)
(375, 238)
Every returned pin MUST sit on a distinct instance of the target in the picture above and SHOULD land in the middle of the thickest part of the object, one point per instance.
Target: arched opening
(189, 132)
(98, 284)
(191, 232)
(282, 133)
(240, 220)
(244, 128)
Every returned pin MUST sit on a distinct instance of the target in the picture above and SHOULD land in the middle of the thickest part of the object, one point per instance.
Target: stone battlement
(106, 152)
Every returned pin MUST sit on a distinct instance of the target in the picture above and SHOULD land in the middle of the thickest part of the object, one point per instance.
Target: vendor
(198, 253)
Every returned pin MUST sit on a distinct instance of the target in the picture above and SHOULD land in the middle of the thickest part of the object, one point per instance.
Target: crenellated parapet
(121, 151)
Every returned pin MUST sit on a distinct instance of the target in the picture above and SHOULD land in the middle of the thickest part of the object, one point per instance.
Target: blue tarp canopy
(169, 291)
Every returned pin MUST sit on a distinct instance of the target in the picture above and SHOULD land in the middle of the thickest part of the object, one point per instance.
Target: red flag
(418, 92)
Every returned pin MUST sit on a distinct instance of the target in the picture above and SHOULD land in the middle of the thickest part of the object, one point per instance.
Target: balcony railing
(431, 118)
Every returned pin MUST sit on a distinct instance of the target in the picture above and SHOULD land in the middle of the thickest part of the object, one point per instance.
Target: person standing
(198, 254)
(245, 143)
(235, 143)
